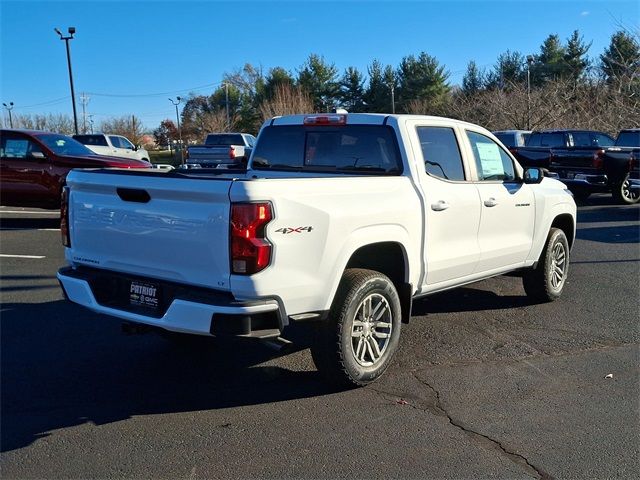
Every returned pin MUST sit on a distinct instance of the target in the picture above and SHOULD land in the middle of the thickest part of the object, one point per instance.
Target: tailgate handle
(133, 195)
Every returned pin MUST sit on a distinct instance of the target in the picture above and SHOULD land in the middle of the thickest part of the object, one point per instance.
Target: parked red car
(34, 166)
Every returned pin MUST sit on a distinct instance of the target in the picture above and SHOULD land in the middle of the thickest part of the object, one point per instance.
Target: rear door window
(96, 140)
(441, 153)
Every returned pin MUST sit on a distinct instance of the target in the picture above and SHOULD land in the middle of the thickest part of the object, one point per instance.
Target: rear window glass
(224, 139)
(370, 148)
(97, 140)
(628, 139)
(546, 140)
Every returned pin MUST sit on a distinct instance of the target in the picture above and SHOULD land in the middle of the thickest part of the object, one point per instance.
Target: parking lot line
(4, 255)
(37, 229)
(57, 213)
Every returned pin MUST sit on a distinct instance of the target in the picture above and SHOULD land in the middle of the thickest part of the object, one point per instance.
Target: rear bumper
(260, 319)
(585, 180)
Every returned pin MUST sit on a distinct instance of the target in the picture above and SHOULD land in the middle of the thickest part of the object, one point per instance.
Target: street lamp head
(57, 31)
(530, 59)
(72, 30)
(178, 98)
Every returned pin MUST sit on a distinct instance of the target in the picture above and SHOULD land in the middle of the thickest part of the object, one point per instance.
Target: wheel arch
(566, 223)
(391, 259)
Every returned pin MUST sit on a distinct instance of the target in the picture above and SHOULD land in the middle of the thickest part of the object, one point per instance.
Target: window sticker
(490, 159)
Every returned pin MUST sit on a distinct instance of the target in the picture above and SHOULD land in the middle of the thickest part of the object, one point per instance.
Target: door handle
(439, 206)
(490, 203)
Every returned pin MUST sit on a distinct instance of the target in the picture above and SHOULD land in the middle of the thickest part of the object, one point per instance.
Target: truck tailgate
(154, 225)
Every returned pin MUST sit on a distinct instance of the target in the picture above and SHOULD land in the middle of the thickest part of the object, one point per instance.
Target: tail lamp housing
(64, 217)
(598, 159)
(249, 248)
(232, 153)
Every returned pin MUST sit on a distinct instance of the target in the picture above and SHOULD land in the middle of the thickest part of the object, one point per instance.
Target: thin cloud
(585, 13)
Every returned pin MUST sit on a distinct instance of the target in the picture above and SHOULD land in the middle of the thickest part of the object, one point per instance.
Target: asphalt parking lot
(486, 385)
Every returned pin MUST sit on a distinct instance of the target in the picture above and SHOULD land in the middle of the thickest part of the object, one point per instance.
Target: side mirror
(136, 148)
(533, 175)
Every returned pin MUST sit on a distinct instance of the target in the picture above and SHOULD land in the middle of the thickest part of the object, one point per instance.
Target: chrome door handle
(439, 206)
(490, 203)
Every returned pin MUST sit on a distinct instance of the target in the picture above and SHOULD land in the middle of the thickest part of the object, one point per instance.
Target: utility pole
(9, 108)
(66, 39)
(393, 98)
(176, 103)
(529, 62)
(91, 122)
(226, 96)
(85, 101)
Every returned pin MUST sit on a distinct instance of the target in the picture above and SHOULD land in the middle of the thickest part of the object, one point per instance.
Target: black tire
(541, 283)
(580, 194)
(336, 357)
(623, 194)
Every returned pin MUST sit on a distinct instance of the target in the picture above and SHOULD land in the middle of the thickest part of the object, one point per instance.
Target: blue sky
(131, 56)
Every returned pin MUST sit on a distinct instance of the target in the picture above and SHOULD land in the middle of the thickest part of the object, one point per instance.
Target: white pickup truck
(341, 220)
(222, 150)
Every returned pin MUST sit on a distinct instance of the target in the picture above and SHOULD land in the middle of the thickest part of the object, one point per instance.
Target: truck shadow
(466, 299)
(64, 366)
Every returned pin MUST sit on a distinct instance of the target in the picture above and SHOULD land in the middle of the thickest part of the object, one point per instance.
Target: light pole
(529, 62)
(226, 97)
(66, 39)
(9, 108)
(176, 103)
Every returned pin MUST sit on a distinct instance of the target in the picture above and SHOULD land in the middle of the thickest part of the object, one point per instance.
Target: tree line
(559, 86)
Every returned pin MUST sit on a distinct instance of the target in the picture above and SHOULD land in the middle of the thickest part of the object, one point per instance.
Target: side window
(581, 139)
(125, 143)
(15, 148)
(19, 148)
(603, 140)
(115, 141)
(492, 162)
(441, 153)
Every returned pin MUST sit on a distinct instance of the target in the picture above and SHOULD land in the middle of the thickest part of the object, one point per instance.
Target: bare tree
(128, 126)
(286, 100)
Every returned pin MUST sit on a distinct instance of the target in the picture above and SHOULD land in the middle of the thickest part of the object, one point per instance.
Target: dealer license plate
(142, 294)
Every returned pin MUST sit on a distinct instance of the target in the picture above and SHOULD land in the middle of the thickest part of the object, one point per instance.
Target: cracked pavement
(485, 385)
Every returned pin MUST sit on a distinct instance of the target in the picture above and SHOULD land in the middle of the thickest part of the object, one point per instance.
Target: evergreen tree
(550, 63)
(421, 78)
(378, 93)
(319, 79)
(352, 90)
(473, 79)
(508, 70)
(621, 59)
(276, 76)
(575, 59)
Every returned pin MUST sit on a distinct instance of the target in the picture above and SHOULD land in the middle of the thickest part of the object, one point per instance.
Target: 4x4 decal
(286, 230)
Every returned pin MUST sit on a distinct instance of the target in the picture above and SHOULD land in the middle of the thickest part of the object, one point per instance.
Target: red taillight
(64, 217)
(597, 159)
(330, 119)
(232, 153)
(250, 250)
